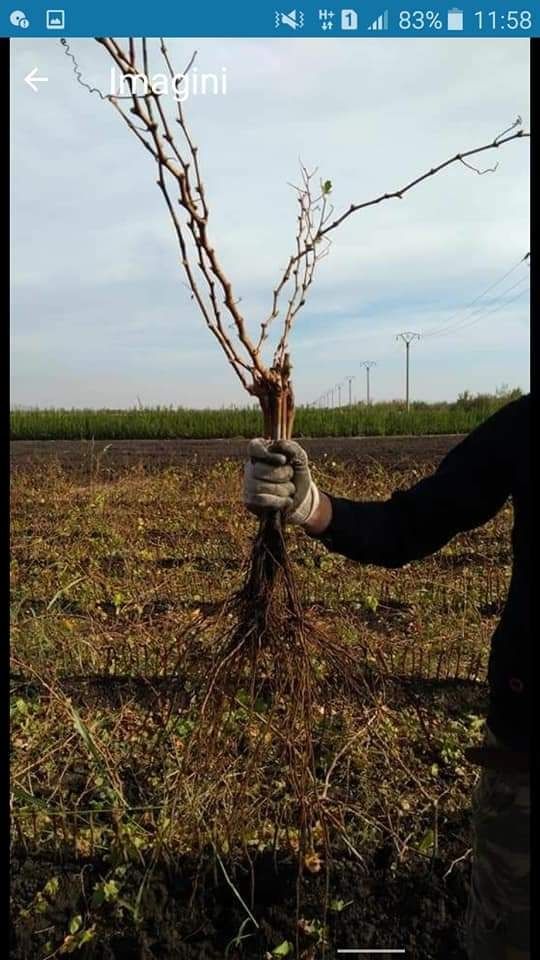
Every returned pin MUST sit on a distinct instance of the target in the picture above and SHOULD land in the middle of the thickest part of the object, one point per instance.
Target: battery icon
(455, 19)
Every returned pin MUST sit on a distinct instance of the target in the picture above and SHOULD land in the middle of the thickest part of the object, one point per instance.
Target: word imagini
(180, 86)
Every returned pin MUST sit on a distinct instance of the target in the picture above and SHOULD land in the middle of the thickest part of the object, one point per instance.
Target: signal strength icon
(381, 23)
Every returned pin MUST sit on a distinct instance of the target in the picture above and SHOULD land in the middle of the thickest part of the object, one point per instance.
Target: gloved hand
(277, 477)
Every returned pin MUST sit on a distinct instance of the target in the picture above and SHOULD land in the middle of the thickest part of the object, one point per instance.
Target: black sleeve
(470, 486)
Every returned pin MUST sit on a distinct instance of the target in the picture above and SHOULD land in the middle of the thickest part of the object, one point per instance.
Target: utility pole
(350, 379)
(368, 364)
(407, 338)
(338, 388)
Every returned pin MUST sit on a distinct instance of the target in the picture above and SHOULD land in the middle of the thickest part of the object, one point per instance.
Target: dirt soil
(156, 454)
(416, 909)
(416, 905)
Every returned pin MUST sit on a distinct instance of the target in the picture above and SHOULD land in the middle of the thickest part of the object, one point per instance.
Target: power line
(484, 310)
(449, 325)
(505, 303)
(478, 314)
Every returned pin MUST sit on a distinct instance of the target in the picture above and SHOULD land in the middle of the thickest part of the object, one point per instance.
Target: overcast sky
(100, 313)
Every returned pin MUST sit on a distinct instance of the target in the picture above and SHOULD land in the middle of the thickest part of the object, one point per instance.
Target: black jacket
(470, 486)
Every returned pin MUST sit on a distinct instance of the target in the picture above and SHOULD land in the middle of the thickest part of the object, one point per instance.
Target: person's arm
(470, 486)
(321, 518)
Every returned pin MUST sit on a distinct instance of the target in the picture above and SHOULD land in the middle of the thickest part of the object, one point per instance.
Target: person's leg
(498, 909)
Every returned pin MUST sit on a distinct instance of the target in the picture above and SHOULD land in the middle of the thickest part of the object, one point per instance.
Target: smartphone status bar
(387, 19)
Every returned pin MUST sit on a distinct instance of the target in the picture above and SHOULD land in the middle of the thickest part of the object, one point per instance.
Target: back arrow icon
(31, 79)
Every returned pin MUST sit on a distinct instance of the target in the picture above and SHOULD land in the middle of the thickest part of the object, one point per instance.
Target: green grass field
(380, 419)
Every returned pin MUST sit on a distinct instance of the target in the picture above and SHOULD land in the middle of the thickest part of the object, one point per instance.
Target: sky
(100, 312)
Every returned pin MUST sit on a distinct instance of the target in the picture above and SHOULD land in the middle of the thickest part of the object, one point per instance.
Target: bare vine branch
(181, 183)
(314, 212)
(308, 240)
(399, 194)
(182, 171)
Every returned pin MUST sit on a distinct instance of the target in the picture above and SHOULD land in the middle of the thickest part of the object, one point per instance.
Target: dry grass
(109, 581)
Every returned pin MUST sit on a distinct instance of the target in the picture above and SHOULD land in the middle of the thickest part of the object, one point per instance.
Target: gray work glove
(277, 477)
